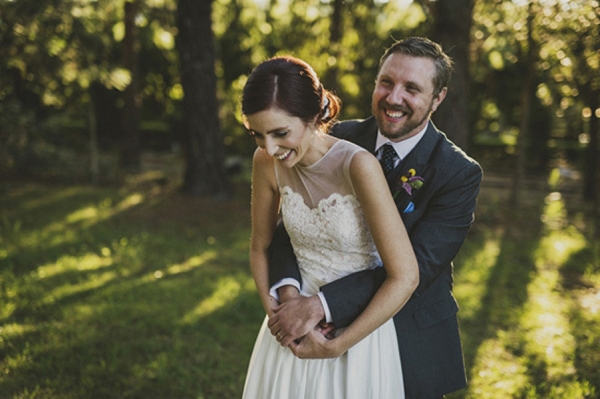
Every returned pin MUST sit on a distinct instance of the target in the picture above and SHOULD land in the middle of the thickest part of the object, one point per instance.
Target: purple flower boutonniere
(409, 182)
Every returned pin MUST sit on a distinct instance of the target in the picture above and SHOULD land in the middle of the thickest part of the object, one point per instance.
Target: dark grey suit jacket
(443, 209)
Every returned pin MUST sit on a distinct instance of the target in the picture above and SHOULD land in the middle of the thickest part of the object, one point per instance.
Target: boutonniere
(409, 182)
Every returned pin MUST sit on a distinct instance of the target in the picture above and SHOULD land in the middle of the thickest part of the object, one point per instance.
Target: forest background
(125, 177)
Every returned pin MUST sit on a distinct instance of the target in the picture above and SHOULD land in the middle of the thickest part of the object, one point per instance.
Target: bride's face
(286, 138)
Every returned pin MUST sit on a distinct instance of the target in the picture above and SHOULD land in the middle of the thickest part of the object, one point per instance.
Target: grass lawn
(141, 292)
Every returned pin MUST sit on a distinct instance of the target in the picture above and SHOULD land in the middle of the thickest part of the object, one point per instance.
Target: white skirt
(370, 369)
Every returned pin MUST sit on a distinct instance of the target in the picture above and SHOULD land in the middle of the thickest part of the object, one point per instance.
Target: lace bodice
(331, 238)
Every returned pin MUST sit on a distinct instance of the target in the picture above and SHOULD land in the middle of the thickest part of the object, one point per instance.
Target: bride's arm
(264, 208)
(393, 244)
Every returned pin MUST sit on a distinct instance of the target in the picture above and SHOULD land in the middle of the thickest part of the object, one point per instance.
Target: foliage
(58, 56)
(498, 57)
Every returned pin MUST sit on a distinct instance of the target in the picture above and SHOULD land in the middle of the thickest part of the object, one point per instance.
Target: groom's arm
(296, 315)
(436, 239)
(282, 261)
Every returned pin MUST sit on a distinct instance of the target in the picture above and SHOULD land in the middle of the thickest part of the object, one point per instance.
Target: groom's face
(403, 98)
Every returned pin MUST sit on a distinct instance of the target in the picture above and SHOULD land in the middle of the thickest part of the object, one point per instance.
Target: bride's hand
(315, 345)
(327, 329)
(272, 303)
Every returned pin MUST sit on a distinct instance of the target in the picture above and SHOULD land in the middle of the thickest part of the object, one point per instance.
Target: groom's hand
(295, 318)
(315, 346)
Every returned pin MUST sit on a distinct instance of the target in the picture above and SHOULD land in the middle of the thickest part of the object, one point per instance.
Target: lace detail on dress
(331, 240)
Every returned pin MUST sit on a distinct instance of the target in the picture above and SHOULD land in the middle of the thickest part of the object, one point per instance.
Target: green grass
(111, 293)
(528, 283)
(141, 292)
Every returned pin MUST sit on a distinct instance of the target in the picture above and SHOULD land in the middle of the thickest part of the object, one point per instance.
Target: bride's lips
(283, 156)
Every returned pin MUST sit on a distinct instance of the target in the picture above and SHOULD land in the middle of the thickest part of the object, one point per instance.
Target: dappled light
(141, 286)
(473, 277)
(226, 291)
(99, 280)
(123, 296)
(191, 263)
(535, 353)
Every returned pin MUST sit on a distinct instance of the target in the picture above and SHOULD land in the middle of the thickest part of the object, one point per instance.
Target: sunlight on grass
(96, 281)
(85, 263)
(89, 261)
(227, 290)
(61, 232)
(99, 297)
(8, 333)
(542, 346)
(93, 214)
(192, 263)
(14, 330)
(470, 282)
(545, 319)
(591, 302)
(49, 197)
(498, 374)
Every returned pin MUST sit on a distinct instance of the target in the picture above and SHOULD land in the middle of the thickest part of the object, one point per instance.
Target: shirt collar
(402, 147)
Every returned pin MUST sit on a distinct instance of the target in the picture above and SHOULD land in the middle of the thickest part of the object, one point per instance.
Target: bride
(339, 213)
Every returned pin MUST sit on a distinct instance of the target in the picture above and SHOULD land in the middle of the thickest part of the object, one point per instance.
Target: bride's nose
(270, 146)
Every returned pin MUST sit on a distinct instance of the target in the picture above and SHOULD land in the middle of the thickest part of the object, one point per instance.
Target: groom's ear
(437, 100)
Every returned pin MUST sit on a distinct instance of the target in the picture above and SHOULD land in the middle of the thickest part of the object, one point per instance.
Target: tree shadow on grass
(188, 335)
(163, 325)
(165, 230)
(584, 315)
(36, 206)
(35, 227)
(505, 292)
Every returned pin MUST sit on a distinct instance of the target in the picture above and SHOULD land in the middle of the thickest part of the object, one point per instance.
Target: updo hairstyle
(291, 85)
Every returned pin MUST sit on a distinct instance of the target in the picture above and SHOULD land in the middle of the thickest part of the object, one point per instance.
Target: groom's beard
(411, 123)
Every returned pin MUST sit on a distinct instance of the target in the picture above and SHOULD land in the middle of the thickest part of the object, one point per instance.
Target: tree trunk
(452, 30)
(590, 187)
(203, 148)
(131, 153)
(94, 157)
(526, 98)
(335, 35)
(522, 141)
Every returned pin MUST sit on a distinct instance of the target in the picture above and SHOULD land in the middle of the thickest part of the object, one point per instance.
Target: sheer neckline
(318, 161)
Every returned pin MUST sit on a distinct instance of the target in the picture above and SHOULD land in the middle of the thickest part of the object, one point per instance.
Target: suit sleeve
(442, 230)
(282, 261)
(436, 239)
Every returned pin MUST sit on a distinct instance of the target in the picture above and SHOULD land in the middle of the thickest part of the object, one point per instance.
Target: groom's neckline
(404, 147)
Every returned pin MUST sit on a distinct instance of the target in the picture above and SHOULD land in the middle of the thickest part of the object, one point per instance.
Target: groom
(436, 186)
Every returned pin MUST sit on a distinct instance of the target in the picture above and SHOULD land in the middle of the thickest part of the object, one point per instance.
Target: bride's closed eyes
(276, 134)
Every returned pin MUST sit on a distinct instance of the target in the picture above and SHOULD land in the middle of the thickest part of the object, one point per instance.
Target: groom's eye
(385, 82)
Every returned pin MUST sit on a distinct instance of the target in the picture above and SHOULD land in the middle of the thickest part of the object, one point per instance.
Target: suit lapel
(417, 159)
(365, 134)
(368, 138)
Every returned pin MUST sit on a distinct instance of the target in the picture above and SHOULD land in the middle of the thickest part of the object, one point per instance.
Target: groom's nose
(396, 95)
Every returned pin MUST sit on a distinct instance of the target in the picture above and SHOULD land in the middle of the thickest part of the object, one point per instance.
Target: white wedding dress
(331, 239)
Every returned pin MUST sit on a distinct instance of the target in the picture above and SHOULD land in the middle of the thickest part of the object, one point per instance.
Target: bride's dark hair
(291, 85)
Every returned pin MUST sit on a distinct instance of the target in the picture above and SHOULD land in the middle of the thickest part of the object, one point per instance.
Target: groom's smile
(403, 98)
